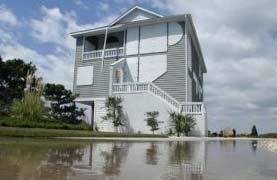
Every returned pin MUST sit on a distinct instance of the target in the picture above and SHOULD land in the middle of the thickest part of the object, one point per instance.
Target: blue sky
(238, 40)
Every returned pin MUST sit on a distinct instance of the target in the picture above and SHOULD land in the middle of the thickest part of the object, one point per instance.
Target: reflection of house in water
(102, 160)
(186, 160)
(143, 160)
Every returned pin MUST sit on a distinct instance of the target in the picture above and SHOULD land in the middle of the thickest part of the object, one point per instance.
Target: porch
(105, 45)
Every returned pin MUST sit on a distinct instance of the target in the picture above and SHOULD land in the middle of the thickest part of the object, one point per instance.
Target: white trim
(132, 9)
(118, 27)
(87, 99)
(83, 49)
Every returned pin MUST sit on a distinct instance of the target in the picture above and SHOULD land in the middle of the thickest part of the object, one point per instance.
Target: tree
(114, 111)
(13, 75)
(220, 133)
(182, 123)
(152, 121)
(234, 132)
(254, 131)
(62, 104)
(214, 134)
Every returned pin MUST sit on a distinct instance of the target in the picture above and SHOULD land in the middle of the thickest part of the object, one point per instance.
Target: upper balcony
(94, 45)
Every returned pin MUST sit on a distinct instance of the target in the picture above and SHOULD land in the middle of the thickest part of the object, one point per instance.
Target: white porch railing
(130, 88)
(187, 108)
(114, 52)
(192, 107)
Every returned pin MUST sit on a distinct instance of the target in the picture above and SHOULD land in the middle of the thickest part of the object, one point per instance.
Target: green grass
(44, 133)
(46, 124)
(269, 135)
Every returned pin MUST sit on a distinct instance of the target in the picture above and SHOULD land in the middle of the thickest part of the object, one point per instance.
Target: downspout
(104, 48)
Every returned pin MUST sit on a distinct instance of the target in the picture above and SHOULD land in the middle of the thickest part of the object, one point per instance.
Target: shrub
(152, 121)
(63, 106)
(170, 132)
(182, 123)
(47, 124)
(114, 111)
(214, 134)
(31, 107)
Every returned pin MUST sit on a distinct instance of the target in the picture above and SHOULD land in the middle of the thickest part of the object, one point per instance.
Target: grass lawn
(8, 121)
(38, 132)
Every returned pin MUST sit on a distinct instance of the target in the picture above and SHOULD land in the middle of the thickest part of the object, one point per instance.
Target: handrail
(164, 95)
(139, 87)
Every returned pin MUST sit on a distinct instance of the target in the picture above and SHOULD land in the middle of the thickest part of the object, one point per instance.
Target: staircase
(186, 107)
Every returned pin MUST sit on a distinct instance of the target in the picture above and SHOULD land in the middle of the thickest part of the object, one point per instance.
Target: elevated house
(153, 62)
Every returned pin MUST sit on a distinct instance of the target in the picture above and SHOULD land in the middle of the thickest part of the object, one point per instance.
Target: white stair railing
(186, 107)
(163, 95)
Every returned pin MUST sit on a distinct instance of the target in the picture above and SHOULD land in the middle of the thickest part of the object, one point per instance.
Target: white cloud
(80, 3)
(6, 16)
(238, 40)
(56, 68)
(105, 7)
(53, 27)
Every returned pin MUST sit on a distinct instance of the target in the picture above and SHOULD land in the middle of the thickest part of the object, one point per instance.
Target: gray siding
(174, 80)
(100, 87)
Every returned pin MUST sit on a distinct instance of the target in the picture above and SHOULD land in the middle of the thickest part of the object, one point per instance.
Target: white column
(104, 47)
(83, 48)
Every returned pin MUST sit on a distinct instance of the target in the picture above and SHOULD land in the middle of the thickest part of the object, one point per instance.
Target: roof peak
(131, 10)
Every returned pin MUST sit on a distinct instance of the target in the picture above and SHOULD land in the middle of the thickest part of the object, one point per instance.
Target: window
(84, 75)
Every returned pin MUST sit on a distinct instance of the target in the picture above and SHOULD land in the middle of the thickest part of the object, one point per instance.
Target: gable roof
(132, 10)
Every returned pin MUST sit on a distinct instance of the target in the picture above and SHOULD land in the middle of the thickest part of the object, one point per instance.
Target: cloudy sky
(238, 39)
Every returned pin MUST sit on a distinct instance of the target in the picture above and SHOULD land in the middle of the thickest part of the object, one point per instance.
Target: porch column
(104, 47)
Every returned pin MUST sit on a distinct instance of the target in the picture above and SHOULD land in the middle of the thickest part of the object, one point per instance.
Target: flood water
(32, 159)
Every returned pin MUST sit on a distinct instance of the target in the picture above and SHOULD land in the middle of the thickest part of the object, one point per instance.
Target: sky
(238, 40)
